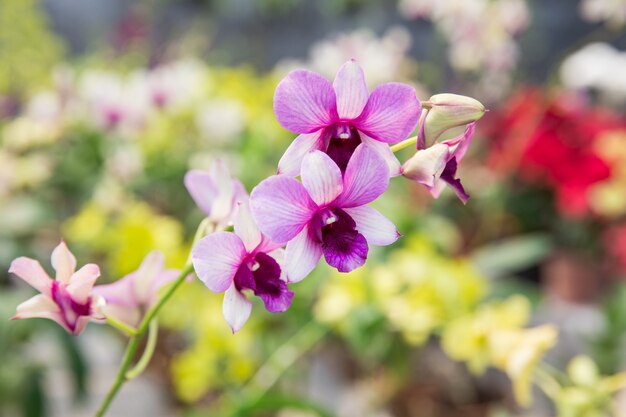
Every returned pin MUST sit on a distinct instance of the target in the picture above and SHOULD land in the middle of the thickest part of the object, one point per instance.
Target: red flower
(550, 142)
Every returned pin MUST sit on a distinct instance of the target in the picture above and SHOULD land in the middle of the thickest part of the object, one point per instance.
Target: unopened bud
(445, 111)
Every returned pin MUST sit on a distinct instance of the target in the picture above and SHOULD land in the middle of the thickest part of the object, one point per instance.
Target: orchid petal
(385, 151)
(119, 293)
(281, 207)
(366, 178)
(391, 113)
(291, 161)
(427, 165)
(246, 228)
(462, 142)
(216, 259)
(304, 102)
(202, 189)
(278, 303)
(151, 266)
(377, 229)
(82, 281)
(321, 177)
(279, 257)
(224, 203)
(302, 255)
(63, 262)
(40, 306)
(31, 271)
(236, 308)
(351, 90)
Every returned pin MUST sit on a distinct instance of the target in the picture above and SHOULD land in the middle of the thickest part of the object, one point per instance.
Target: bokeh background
(105, 104)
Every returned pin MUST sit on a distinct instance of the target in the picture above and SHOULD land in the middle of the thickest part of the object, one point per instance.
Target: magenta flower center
(342, 139)
(260, 273)
(343, 246)
(71, 310)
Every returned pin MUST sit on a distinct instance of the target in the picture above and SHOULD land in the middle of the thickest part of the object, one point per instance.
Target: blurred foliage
(28, 48)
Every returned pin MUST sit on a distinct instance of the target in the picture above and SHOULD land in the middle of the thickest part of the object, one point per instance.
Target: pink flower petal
(462, 142)
(391, 113)
(321, 177)
(291, 160)
(385, 151)
(427, 165)
(228, 190)
(40, 306)
(82, 281)
(351, 90)
(142, 279)
(246, 228)
(377, 229)
(236, 308)
(63, 262)
(281, 207)
(301, 256)
(202, 189)
(120, 292)
(31, 271)
(304, 102)
(216, 259)
(366, 178)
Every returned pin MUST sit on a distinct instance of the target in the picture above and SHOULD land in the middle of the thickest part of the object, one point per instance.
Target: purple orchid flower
(336, 118)
(216, 192)
(245, 260)
(436, 166)
(68, 300)
(326, 213)
(129, 297)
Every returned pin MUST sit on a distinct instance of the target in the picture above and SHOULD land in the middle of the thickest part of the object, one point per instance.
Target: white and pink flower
(68, 299)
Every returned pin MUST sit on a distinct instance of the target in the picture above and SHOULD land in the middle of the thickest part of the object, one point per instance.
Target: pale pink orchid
(336, 118)
(128, 298)
(245, 260)
(325, 214)
(216, 192)
(69, 299)
(436, 166)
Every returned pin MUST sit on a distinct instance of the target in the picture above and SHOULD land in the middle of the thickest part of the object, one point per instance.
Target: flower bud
(445, 111)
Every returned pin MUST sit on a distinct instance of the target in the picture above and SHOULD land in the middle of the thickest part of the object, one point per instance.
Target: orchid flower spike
(436, 166)
(446, 111)
(244, 260)
(216, 192)
(69, 299)
(326, 213)
(128, 298)
(336, 118)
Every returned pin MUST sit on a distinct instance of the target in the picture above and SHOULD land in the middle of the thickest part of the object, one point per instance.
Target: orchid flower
(215, 192)
(336, 118)
(69, 299)
(326, 213)
(244, 260)
(129, 297)
(436, 166)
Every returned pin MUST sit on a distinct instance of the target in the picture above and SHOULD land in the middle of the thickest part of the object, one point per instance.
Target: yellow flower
(468, 337)
(518, 352)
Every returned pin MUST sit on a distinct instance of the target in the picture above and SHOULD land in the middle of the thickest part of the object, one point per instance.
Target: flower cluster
(344, 160)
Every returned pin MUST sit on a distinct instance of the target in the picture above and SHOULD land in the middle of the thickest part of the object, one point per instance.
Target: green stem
(121, 326)
(404, 144)
(133, 343)
(153, 332)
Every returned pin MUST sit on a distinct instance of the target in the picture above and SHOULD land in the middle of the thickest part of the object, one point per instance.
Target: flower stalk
(134, 342)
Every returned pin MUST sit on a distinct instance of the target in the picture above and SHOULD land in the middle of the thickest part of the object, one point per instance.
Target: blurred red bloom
(550, 141)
